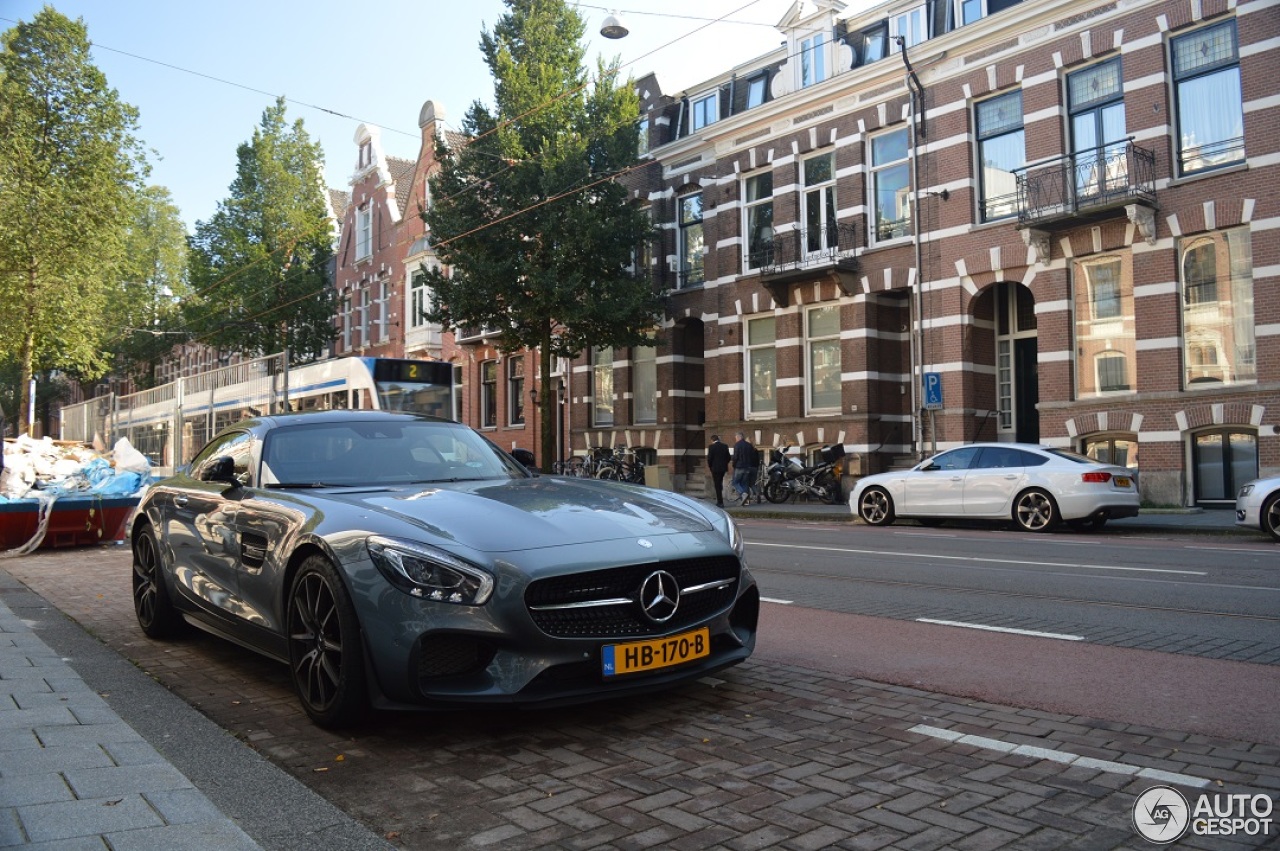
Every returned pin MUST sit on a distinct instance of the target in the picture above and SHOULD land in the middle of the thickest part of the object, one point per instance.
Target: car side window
(1031, 459)
(956, 459)
(1002, 457)
(238, 445)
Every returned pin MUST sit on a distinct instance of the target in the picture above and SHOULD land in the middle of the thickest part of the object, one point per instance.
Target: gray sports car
(407, 562)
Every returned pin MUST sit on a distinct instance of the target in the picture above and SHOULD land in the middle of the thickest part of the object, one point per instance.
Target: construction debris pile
(47, 467)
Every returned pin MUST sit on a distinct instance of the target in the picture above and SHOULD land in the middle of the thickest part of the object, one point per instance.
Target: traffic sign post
(933, 404)
(933, 391)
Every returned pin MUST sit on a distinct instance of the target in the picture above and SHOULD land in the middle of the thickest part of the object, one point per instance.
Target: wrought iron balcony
(805, 253)
(1084, 185)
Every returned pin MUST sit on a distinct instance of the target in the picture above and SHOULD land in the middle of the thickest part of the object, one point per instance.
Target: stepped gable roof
(402, 175)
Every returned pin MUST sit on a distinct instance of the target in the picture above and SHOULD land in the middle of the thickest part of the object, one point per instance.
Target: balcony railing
(786, 257)
(1083, 184)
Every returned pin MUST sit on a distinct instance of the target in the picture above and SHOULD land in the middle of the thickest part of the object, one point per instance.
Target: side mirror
(220, 469)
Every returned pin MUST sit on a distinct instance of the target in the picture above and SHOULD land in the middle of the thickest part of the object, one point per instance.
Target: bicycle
(622, 466)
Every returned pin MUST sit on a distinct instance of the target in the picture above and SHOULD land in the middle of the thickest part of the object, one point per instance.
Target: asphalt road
(839, 732)
(1192, 596)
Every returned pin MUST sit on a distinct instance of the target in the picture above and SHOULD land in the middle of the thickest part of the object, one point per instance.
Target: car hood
(523, 514)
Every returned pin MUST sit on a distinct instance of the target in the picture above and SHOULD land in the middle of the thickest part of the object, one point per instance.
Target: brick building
(369, 268)
(1063, 214)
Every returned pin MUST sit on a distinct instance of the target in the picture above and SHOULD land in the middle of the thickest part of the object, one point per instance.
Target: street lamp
(613, 26)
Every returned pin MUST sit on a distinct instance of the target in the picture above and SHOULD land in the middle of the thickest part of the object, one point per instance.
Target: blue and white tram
(171, 423)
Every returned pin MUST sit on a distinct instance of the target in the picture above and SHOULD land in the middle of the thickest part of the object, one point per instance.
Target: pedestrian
(744, 455)
(753, 474)
(718, 464)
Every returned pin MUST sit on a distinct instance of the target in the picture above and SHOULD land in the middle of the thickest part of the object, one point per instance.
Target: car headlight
(1247, 489)
(430, 574)
(735, 537)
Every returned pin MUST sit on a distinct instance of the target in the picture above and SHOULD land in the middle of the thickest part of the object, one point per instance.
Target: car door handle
(180, 501)
(957, 478)
(1010, 476)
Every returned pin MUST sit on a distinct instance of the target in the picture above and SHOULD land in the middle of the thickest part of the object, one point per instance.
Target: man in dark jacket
(744, 460)
(718, 463)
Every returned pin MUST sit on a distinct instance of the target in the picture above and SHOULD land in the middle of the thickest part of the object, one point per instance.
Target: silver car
(1037, 487)
(1258, 506)
(409, 561)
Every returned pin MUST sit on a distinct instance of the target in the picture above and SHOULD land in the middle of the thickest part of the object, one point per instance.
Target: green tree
(69, 169)
(153, 279)
(537, 232)
(259, 267)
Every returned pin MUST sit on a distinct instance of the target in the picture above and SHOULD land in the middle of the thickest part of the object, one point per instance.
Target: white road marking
(772, 600)
(1064, 757)
(979, 559)
(1031, 632)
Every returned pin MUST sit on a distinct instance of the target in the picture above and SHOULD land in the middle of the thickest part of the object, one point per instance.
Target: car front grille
(605, 603)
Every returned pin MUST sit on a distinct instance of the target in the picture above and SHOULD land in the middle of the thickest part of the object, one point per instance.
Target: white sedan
(1258, 506)
(1036, 487)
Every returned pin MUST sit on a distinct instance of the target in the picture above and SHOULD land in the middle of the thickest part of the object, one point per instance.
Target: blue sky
(374, 60)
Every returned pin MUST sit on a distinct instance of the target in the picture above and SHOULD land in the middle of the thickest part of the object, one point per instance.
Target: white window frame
(384, 326)
(364, 316)
(515, 391)
(419, 299)
(876, 170)
(488, 393)
(364, 232)
(752, 350)
(644, 365)
(812, 59)
(686, 260)
(826, 212)
(912, 24)
(642, 134)
(704, 110)
(750, 206)
(602, 387)
(758, 84)
(346, 323)
(810, 344)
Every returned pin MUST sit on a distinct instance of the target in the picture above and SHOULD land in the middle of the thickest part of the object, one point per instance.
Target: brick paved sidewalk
(765, 756)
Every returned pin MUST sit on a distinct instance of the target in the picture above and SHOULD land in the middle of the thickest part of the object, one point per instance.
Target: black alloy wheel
(325, 653)
(1035, 511)
(776, 492)
(876, 507)
(1271, 516)
(155, 611)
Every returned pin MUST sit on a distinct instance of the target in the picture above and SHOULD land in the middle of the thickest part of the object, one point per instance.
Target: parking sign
(933, 391)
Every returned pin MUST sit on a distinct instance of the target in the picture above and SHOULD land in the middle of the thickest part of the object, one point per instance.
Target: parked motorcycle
(790, 478)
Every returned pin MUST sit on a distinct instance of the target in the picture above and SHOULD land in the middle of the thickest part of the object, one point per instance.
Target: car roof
(271, 421)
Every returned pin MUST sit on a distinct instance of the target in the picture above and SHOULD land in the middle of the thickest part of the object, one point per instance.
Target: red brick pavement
(768, 756)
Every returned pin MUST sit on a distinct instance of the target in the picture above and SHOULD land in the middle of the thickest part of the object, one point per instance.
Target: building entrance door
(1017, 373)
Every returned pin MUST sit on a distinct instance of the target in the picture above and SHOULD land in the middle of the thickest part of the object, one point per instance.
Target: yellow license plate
(1123, 481)
(656, 653)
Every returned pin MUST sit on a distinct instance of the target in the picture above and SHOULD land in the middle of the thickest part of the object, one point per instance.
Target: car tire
(875, 507)
(157, 616)
(1035, 511)
(326, 656)
(1271, 516)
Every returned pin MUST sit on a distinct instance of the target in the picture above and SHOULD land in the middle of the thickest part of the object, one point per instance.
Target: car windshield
(358, 453)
